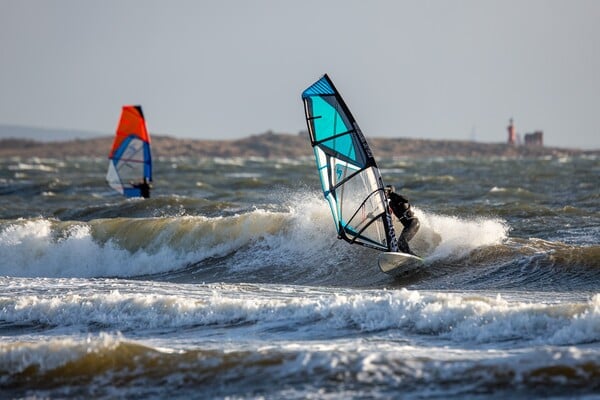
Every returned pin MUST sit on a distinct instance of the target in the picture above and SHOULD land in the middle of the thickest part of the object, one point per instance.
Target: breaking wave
(297, 241)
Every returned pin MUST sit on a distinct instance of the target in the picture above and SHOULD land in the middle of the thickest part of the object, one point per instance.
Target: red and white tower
(512, 135)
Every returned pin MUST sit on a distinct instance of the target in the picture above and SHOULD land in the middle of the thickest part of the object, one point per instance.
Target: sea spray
(453, 237)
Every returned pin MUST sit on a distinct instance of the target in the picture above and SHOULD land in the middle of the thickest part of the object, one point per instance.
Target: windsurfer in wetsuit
(401, 209)
(144, 187)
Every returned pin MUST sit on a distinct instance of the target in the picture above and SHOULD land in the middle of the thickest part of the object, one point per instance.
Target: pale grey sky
(227, 69)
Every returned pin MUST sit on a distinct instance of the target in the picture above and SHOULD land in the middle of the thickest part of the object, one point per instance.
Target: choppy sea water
(230, 283)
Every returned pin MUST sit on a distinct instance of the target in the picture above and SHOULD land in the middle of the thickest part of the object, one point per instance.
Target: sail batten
(350, 179)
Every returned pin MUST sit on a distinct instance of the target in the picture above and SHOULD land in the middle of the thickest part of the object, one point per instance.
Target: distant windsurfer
(144, 187)
(402, 210)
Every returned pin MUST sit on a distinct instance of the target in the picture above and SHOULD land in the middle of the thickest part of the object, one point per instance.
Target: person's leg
(407, 234)
(403, 244)
(411, 230)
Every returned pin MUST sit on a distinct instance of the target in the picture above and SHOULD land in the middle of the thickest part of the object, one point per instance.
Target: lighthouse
(512, 136)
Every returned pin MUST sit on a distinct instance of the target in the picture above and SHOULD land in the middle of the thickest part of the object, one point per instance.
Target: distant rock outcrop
(274, 145)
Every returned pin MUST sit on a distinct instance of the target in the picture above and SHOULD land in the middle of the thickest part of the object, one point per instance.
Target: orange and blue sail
(130, 157)
(350, 178)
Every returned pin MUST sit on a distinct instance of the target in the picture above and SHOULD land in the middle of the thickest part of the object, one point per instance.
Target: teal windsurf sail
(350, 179)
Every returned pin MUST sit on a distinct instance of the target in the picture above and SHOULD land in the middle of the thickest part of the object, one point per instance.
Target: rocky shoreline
(276, 145)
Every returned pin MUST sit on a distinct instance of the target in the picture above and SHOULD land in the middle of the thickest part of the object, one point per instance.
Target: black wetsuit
(401, 209)
(144, 189)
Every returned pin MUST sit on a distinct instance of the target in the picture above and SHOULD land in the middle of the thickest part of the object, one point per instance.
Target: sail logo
(339, 172)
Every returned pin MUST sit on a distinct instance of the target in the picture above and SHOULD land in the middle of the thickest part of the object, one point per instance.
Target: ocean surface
(230, 283)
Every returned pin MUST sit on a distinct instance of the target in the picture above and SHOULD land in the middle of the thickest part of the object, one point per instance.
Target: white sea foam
(32, 167)
(302, 239)
(460, 318)
(247, 175)
(31, 248)
(439, 237)
(451, 343)
(49, 354)
(45, 248)
(444, 236)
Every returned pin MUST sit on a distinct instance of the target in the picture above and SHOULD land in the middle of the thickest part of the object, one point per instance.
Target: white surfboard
(398, 263)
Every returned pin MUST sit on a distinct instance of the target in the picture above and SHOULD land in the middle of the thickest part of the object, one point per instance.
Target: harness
(401, 209)
(408, 215)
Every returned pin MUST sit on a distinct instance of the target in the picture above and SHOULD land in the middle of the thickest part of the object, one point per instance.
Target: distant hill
(43, 134)
(273, 145)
